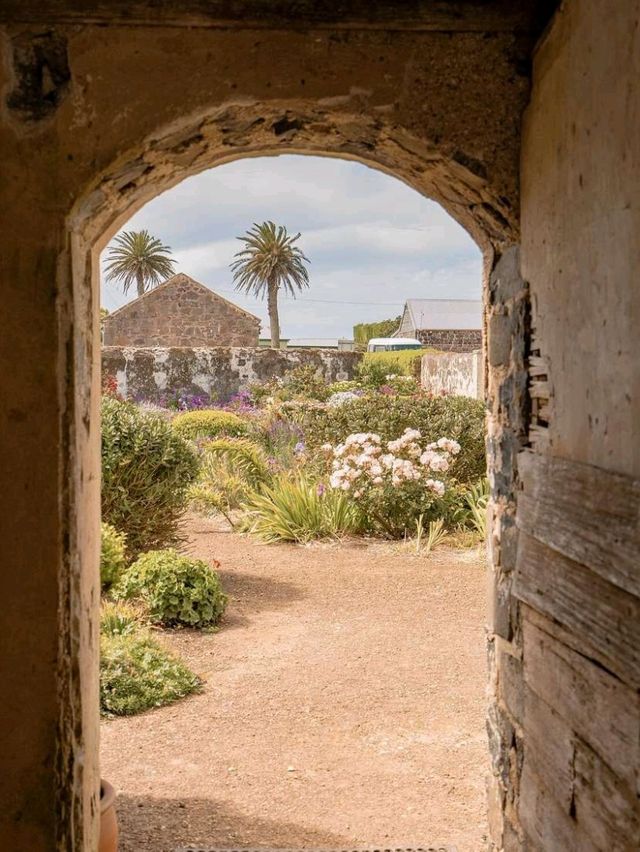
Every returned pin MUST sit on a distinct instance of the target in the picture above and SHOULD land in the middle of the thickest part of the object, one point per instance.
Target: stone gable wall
(451, 340)
(181, 315)
(154, 374)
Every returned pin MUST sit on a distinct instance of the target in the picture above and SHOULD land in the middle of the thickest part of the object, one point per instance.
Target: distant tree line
(364, 331)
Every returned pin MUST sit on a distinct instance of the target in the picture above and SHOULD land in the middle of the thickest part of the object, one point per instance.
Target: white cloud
(371, 239)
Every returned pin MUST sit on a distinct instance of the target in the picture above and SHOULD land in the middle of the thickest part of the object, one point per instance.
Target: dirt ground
(343, 706)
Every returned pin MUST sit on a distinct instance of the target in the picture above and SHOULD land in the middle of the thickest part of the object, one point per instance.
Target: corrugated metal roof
(442, 314)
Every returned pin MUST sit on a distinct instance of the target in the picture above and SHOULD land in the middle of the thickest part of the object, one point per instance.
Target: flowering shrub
(460, 418)
(392, 481)
(241, 403)
(185, 401)
(110, 386)
(340, 397)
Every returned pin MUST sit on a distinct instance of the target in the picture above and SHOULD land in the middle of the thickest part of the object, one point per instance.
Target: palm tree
(270, 261)
(137, 256)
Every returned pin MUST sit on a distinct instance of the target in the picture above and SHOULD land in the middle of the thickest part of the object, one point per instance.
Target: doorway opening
(385, 742)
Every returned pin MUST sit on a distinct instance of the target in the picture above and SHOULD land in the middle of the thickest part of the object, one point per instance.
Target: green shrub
(146, 471)
(458, 417)
(372, 373)
(299, 509)
(300, 383)
(112, 555)
(230, 470)
(405, 362)
(208, 423)
(341, 387)
(137, 673)
(305, 382)
(175, 589)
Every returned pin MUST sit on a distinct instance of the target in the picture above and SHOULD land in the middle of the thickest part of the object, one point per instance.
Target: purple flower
(299, 448)
(320, 489)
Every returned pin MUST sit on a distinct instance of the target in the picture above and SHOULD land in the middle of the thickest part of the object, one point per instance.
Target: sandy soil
(343, 706)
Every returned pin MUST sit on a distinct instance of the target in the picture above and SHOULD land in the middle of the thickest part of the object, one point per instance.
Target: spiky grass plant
(477, 499)
(231, 470)
(298, 509)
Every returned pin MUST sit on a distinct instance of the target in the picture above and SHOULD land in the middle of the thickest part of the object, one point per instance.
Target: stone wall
(456, 373)
(156, 373)
(451, 340)
(181, 312)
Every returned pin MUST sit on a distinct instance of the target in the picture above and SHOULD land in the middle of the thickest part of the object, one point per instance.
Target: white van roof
(394, 341)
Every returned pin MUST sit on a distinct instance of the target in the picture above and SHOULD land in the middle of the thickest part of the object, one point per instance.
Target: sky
(373, 242)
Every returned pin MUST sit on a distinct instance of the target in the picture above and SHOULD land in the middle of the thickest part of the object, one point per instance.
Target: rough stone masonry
(181, 312)
(153, 374)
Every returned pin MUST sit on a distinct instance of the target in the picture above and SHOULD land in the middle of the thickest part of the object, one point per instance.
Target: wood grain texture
(527, 16)
(549, 748)
(605, 807)
(585, 513)
(606, 618)
(599, 708)
(548, 827)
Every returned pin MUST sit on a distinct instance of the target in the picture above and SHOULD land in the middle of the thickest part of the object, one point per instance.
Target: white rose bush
(393, 482)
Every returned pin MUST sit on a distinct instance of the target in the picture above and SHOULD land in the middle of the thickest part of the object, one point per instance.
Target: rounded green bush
(146, 472)
(208, 423)
(176, 589)
(112, 555)
(137, 673)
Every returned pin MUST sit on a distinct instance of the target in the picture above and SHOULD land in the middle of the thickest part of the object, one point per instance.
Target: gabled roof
(443, 314)
(177, 280)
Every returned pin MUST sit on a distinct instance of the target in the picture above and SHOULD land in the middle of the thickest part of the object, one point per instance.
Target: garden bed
(342, 704)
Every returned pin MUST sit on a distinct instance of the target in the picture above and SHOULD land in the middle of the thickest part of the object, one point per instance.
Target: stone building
(522, 120)
(181, 312)
(451, 325)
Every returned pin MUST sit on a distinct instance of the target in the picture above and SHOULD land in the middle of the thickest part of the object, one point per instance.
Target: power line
(322, 301)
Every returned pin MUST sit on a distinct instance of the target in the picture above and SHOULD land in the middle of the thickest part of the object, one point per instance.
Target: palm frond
(269, 257)
(137, 258)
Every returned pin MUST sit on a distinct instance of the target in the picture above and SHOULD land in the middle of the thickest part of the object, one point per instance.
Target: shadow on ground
(252, 593)
(164, 825)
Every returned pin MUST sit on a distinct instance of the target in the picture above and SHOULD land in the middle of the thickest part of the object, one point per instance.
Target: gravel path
(343, 706)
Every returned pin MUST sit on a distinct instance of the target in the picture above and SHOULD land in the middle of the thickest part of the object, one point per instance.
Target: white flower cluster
(340, 397)
(361, 463)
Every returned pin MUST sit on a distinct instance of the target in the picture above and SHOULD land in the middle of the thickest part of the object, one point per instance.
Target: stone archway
(125, 113)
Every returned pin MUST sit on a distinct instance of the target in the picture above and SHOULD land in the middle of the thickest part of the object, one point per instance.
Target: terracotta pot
(108, 820)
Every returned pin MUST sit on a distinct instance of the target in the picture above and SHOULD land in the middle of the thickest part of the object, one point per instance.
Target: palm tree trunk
(140, 282)
(274, 321)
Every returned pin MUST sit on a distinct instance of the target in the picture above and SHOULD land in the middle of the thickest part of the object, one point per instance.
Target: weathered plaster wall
(154, 374)
(180, 312)
(460, 374)
(103, 106)
(578, 568)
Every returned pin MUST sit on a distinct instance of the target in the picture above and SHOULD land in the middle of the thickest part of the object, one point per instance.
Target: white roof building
(440, 315)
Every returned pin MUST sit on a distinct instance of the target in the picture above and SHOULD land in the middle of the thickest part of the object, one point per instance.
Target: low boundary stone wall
(153, 373)
(456, 373)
